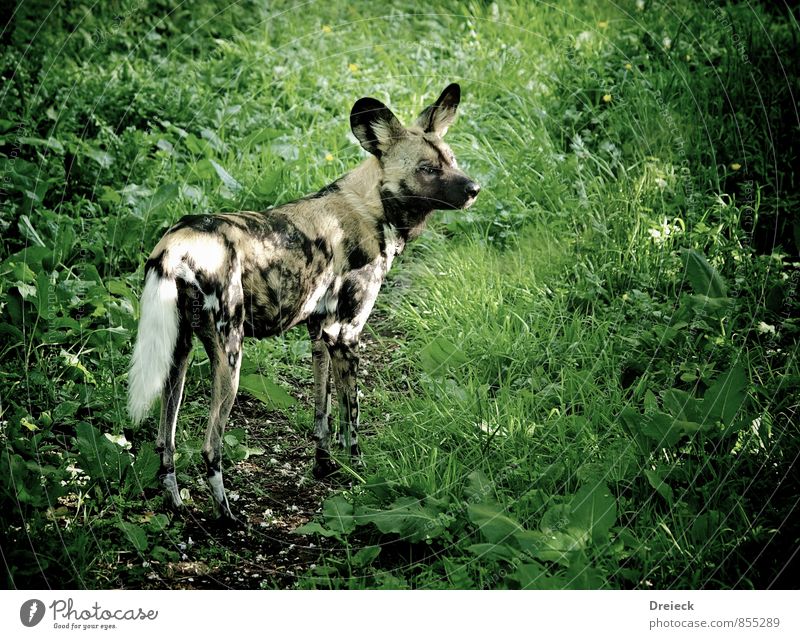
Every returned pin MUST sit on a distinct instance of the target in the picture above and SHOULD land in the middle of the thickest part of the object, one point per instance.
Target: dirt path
(274, 492)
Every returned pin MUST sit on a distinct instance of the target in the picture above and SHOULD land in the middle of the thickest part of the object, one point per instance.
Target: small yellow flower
(326, 28)
(688, 57)
(628, 66)
(607, 98)
(735, 166)
(353, 67)
(328, 157)
(603, 24)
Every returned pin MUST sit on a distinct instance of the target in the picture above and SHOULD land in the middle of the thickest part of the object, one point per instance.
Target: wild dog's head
(419, 169)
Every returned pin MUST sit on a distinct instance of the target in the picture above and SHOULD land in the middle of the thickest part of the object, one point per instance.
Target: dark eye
(429, 170)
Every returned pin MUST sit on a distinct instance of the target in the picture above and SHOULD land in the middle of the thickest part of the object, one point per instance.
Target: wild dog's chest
(352, 294)
(344, 307)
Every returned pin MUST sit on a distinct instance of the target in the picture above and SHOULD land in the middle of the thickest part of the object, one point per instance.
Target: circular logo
(31, 612)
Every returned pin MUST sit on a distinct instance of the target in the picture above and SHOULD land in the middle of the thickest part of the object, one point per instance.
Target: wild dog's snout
(472, 189)
(469, 191)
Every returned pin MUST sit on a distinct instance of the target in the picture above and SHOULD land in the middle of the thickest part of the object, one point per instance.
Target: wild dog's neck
(363, 183)
(405, 213)
(369, 194)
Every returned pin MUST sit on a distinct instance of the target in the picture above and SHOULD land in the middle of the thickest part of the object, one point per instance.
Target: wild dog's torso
(320, 259)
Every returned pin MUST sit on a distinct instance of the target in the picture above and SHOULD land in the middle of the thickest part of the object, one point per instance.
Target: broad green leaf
(101, 459)
(533, 576)
(163, 195)
(715, 307)
(65, 410)
(213, 139)
(64, 243)
(269, 183)
(365, 556)
(479, 487)
(136, 535)
(227, 178)
(314, 528)
(27, 230)
(338, 513)
(103, 158)
(146, 467)
(500, 552)
(118, 287)
(231, 440)
(726, 395)
(658, 483)
(204, 169)
(594, 510)
(582, 576)
(266, 390)
(407, 517)
(682, 405)
(262, 135)
(556, 518)
(379, 487)
(702, 276)
(554, 546)
(158, 523)
(666, 430)
(110, 196)
(493, 523)
(235, 436)
(43, 295)
(50, 143)
(197, 145)
(31, 257)
(440, 355)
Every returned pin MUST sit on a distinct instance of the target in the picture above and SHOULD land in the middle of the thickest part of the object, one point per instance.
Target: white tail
(155, 343)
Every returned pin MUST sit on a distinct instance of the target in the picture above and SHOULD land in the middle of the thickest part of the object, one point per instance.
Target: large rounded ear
(438, 117)
(374, 125)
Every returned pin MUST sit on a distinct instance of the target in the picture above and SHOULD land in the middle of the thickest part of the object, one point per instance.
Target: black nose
(473, 189)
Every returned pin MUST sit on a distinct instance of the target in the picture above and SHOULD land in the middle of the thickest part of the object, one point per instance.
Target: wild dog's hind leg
(170, 404)
(323, 466)
(223, 343)
(225, 383)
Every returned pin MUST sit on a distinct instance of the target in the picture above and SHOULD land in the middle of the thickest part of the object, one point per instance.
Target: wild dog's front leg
(323, 466)
(344, 358)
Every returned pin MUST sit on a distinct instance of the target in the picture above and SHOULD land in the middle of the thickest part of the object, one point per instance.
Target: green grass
(593, 380)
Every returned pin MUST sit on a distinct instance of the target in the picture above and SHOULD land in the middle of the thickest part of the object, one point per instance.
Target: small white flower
(763, 327)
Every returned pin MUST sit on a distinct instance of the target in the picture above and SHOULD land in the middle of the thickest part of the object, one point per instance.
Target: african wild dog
(319, 260)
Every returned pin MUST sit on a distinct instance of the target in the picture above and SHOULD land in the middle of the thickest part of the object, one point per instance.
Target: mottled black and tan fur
(319, 261)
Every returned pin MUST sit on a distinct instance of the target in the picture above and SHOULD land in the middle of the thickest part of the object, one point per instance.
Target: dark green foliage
(595, 377)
